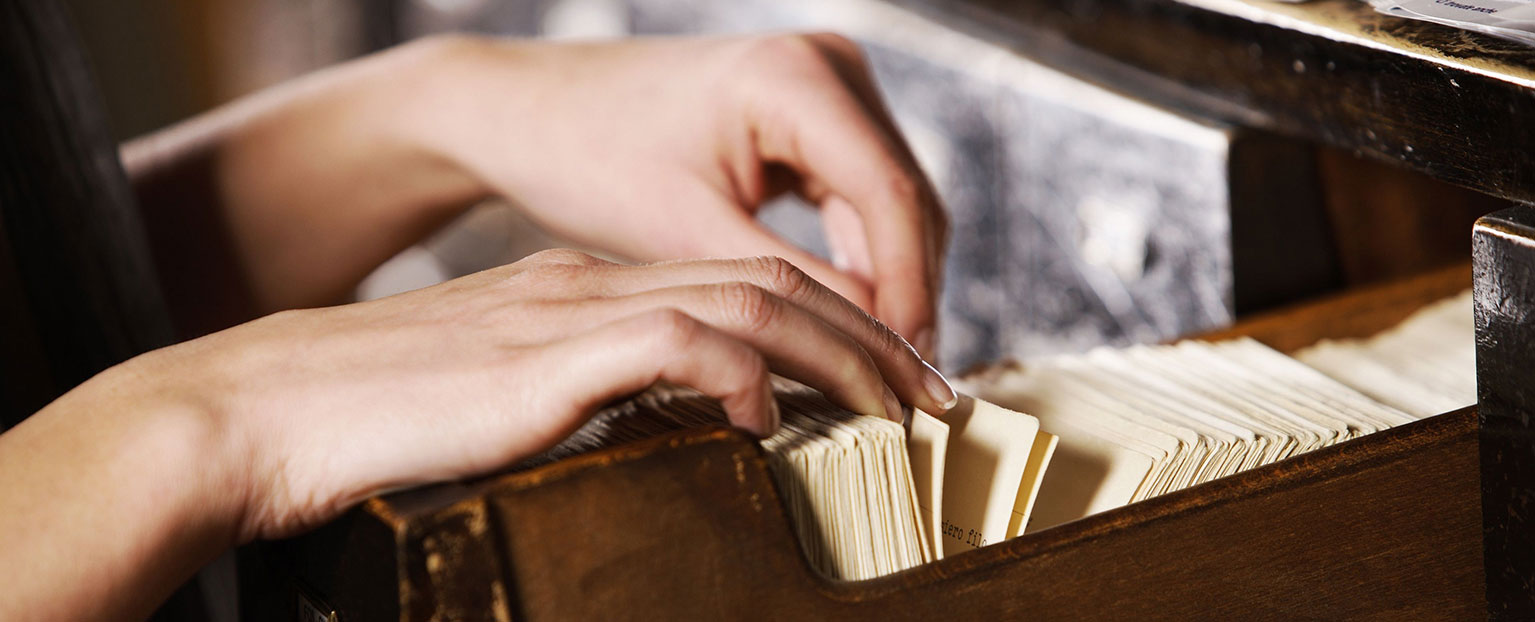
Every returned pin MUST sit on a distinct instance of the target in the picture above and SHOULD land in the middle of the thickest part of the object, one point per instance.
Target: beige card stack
(1106, 428)
(990, 472)
(1139, 422)
(846, 480)
(1424, 366)
(848, 486)
(862, 504)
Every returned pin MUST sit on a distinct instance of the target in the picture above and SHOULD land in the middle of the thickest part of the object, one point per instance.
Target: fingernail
(924, 343)
(892, 406)
(939, 389)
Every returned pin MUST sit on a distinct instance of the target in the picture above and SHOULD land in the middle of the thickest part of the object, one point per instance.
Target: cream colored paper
(929, 446)
(1088, 474)
(988, 451)
(1033, 477)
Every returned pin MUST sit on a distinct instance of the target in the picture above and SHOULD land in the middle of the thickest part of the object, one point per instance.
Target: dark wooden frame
(1503, 247)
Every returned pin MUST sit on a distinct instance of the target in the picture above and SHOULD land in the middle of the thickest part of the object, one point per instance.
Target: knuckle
(564, 256)
(863, 368)
(673, 329)
(558, 278)
(833, 39)
(839, 43)
(856, 375)
(795, 51)
(902, 189)
(750, 368)
(747, 305)
(778, 275)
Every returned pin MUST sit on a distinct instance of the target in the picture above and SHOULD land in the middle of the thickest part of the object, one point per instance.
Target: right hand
(332, 405)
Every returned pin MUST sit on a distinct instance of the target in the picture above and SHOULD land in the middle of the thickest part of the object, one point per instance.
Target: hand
(147, 471)
(336, 404)
(664, 148)
(653, 149)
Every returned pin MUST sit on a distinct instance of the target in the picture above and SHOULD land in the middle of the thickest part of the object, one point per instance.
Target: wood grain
(1389, 223)
(1504, 252)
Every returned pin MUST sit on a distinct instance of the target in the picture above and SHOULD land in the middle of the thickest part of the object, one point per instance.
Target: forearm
(113, 495)
(288, 198)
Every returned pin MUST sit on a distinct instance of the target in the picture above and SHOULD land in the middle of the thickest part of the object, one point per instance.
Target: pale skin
(654, 150)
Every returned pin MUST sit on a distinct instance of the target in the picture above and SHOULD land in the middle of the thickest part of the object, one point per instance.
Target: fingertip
(760, 416)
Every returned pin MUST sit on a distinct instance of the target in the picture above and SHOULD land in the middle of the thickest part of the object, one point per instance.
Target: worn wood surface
(1504, 255)
(1388, 223)
(690, 526)
(1280, 237)
(1430, 98)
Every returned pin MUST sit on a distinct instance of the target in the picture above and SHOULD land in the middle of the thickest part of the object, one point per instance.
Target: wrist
(420, 89)
(173, 435)
(114, 494)
(472, 106)
(321, 180)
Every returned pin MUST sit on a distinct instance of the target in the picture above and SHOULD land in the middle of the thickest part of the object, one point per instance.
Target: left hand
(665, 148)
(653, 149)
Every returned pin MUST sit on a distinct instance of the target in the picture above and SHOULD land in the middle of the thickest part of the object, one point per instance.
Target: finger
(848, 60)
(844, 234)
(734, 233)
(749, 238)
(913, 381)
(835, 139)
(630, 354)
(795, 343)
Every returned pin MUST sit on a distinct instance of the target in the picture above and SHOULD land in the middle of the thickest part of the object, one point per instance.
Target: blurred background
(1081, 215)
